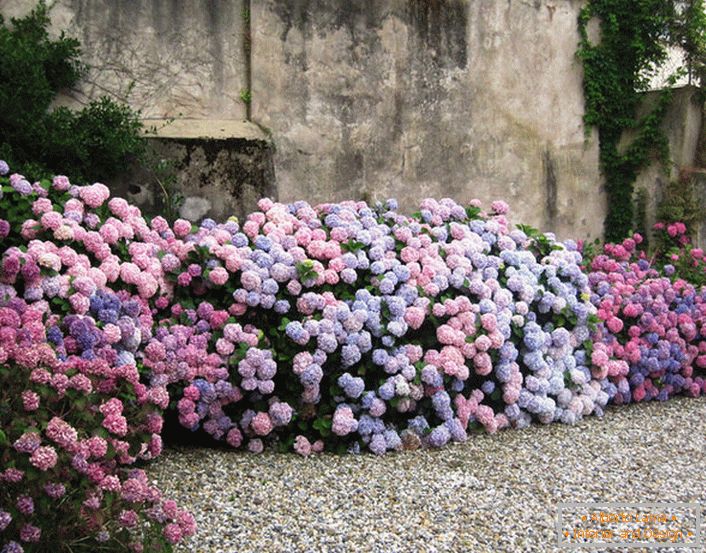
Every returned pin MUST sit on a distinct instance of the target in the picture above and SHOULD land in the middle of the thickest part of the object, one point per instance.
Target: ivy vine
(634, 39)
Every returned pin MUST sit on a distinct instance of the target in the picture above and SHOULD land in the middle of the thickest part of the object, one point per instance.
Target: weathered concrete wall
(699, 233)
(168, 58)
(372, 98)
(221, 168)
(683, 126)
(428, 98)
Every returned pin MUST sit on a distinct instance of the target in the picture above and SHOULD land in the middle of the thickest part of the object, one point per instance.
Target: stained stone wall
(365, 99)
(221, 168)
(683, 125)
(168, 58)
(429, 98)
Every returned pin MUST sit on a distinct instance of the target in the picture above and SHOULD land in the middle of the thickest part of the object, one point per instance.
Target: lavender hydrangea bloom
(456, 430)
(418, 425)
(12, 547)
(439, 436)
(378, 444)
(352, 386)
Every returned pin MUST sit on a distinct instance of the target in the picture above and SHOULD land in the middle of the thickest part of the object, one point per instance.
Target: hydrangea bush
(677, 256)
(74, 415)
(359, 327)
(341, 327)
(651, 345)
(73, 420)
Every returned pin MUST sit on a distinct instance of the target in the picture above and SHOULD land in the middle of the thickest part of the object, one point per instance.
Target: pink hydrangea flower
(44, 458)
(262, 424)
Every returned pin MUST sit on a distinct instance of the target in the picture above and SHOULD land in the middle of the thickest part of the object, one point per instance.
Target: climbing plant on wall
(633, 43)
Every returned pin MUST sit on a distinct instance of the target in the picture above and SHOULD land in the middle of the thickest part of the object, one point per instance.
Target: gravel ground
(491, 494)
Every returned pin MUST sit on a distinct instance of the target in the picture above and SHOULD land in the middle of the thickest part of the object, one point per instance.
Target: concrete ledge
(219, 167)
(213, 129)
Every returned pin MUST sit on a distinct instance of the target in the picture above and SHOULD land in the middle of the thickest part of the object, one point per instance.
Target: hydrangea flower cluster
(423, 327)
(73, 421)
(343, 326)
(675, 254)
(651, 345)
(76, 274)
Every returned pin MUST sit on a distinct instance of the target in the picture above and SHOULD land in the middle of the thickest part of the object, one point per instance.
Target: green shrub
(90, 144)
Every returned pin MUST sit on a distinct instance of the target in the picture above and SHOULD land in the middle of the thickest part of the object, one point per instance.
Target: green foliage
(164, 173)
(640, 220)
(541, 244)
(352, 246)
(473, 212)
(635, 35)
(246, 96)
(689, 34)
(91, 144)
(306, 271)
(678, 203)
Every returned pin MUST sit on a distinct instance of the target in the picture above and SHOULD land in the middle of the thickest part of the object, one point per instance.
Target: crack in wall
(551, 191)
(247, 52)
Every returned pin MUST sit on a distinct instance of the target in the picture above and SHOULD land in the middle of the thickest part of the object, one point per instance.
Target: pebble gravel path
(494, 493)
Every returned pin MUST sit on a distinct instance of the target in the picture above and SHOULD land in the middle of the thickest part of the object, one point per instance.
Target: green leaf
(473, 212)
(528, 230)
